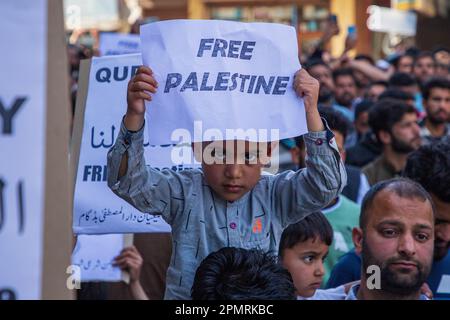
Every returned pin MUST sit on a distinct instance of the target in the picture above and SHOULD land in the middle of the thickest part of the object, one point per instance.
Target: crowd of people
(360, 210)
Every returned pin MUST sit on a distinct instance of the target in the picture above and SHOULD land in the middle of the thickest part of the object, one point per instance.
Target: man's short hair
(401, 79)
(436, 82)
(315, 62)
(335, 120)
(396, 94)
(240, 274)
(424, 54)
(341, 72)
(402, 187)
(386, 113)
(313, 226)
(365, 57)
(430, 167)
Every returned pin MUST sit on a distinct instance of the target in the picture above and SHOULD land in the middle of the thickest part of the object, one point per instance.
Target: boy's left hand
(307, 88)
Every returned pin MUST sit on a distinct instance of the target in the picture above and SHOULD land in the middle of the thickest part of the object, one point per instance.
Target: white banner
(94, 255)
(228, 75)
(23, 33)
(97, 210)
(113, 43)
(389, 20)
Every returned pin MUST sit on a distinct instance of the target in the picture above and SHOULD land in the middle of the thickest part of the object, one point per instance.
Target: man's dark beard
(325, 96)
(345, 100)
(389, 280)
(400, 146)
(434, 120)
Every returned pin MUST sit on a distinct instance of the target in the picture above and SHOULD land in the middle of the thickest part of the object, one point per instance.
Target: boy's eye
(250, 157)
(308, 259)
(218, 154)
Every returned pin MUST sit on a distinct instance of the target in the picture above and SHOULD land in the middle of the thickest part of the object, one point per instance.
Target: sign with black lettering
(228, 75)
(33, 97)
(101, 106)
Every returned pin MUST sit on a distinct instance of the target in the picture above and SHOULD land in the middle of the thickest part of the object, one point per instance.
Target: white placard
(228, 75)
(97, 210)
(94, 255)
(389, 20)
(113, 43)
(23, 30)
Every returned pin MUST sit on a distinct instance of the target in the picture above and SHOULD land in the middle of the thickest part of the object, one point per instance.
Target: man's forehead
(388, 206)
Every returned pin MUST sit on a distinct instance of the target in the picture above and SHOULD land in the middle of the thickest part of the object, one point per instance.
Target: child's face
(232, 168)
(304, 262)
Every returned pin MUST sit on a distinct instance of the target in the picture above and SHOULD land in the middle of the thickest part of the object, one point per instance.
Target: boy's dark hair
(313, 226)
(430, 167)
(386, 113)
(239, 274)
(343, 72)
(363, 106)
(436, 82)
(402, 187)
(424, 54)
(335, 120)
(401, 79)
(396, 94)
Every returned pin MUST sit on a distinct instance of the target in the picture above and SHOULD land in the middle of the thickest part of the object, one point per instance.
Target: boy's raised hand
(307, 88)
(139, 88)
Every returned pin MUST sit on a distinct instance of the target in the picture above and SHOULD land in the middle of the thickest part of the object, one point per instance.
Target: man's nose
(407, 245)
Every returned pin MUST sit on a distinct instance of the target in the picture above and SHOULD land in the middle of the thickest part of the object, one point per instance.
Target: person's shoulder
(349, 204)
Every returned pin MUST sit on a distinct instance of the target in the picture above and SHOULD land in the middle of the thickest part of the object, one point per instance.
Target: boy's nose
(233, 171)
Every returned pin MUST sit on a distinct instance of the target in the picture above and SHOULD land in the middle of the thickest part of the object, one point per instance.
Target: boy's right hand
(139, 88)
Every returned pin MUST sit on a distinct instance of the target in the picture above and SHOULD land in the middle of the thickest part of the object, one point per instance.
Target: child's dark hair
(363, 106)
(313, 226)
(240, 274)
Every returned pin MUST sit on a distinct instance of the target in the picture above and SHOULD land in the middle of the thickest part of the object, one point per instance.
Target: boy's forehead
(235, 144)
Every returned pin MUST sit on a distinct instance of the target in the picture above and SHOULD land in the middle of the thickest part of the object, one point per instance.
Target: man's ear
(385, 137)
(357, 237)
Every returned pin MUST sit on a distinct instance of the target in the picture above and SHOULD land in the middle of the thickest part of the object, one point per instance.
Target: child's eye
(218, 154)
(308, 259)
(250, 157)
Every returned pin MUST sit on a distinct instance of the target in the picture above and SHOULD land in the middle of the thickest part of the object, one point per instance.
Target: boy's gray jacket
(203, 223)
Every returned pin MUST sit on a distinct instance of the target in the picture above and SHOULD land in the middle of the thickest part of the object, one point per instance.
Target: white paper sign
(23, 32)
(389, 20)
(113, 43)
(97, 210)
(228, 75)
(94, 255)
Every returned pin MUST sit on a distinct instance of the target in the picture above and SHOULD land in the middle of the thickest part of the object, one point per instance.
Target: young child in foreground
(222, 204)
(303, 250)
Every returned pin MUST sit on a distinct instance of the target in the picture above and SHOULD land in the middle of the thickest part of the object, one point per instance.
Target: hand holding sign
(138, 91)
(307, 88)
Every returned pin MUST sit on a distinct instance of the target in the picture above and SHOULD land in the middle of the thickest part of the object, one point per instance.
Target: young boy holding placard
(223, 204)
